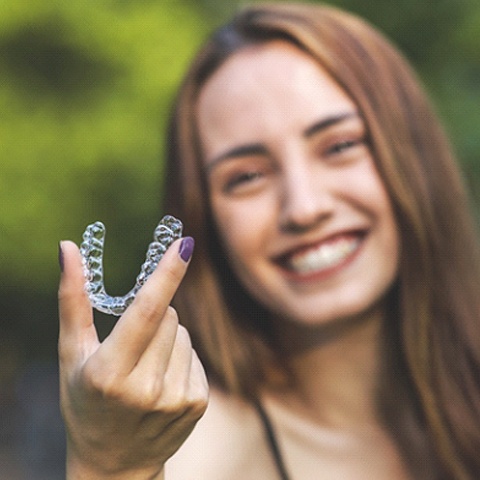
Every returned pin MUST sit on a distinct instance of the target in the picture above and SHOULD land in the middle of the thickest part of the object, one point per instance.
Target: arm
(129, 402)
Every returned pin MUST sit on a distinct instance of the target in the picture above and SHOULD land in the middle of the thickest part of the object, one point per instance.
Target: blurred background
(85, 91)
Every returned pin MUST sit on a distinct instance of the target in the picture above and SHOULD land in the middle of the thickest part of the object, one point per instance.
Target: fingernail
(186, 248)
(60, 256)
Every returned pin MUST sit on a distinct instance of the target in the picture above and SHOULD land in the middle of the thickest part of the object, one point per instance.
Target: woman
(332, 295)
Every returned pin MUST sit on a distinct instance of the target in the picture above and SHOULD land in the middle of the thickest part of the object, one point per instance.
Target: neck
(336, 371)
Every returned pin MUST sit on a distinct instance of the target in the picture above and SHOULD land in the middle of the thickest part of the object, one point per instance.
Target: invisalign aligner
(91, 249)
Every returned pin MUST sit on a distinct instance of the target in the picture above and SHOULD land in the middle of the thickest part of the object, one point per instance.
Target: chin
(301, 332)
(320, 316)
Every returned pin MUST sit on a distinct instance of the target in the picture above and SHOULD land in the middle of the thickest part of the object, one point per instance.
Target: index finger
(137, 326)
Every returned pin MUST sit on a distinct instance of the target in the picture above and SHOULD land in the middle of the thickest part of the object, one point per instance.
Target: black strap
(272, 442)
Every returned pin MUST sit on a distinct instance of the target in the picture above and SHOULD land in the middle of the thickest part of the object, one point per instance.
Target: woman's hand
(129, 402)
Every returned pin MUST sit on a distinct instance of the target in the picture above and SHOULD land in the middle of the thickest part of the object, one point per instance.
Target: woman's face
(303, 214)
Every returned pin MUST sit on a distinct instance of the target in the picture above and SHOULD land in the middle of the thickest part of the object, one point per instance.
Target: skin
(129, 402)
(279, 185)
(289, 169)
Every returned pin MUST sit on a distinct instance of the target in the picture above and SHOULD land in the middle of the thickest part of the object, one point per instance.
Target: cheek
(243, 227)
(374, 198)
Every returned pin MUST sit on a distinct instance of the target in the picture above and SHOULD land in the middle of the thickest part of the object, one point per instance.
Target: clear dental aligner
(91, 249)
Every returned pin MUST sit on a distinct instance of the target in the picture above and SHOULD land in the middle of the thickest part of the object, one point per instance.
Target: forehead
(263, 89)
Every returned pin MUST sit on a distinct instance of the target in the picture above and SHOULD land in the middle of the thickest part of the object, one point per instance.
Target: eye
(242, 180)
(344, 146)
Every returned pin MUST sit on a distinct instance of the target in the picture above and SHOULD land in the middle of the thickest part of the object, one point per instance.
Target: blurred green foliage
(85, 90)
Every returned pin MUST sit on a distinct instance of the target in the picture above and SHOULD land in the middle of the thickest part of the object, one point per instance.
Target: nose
(305, 201)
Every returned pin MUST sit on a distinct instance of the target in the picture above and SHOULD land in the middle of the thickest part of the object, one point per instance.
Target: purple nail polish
(186, 248)
(60, 256)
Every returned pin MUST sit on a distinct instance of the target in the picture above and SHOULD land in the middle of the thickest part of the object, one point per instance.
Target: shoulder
(227, 443)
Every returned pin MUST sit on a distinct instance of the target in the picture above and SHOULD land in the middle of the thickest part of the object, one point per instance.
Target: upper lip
(288, 251)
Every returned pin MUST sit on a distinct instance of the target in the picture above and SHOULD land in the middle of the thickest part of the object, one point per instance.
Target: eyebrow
(329, 122)
(240, 151)
(259, 149)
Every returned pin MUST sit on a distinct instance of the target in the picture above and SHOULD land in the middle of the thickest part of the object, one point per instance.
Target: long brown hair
(429, 396)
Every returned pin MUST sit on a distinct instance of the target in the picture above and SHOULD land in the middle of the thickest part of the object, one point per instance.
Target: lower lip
(324, 274)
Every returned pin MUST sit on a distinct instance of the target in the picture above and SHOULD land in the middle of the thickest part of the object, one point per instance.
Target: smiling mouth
(324, 256)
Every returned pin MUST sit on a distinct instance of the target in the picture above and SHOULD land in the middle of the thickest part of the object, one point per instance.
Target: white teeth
(325, 256)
